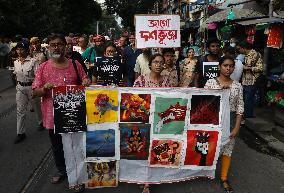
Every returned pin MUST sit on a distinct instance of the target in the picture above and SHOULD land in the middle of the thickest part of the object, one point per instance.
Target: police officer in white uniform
(25, 68)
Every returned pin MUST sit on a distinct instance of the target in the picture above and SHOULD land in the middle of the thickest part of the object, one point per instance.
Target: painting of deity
(134, 141)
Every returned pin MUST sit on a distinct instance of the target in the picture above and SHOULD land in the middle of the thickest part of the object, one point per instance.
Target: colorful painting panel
(201, 147)
(135, 107)
(165, 153)
(205, 109)
(102, 106)
(102, 174)
(134, 141)
(69, 108)
(169, 116)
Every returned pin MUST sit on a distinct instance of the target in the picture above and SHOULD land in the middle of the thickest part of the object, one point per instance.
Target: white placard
(157, 31)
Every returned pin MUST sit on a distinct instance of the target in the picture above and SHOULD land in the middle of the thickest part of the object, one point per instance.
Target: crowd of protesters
(39, 65)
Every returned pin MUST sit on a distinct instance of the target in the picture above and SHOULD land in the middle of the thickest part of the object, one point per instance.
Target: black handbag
(79, 81)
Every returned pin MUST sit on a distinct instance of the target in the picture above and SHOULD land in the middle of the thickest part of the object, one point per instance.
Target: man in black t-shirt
(213, 46)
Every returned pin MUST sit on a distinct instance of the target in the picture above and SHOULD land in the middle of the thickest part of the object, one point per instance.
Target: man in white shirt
(142, 63)
(237, 74)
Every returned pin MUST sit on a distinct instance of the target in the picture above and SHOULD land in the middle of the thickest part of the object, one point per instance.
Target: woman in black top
(109, 69)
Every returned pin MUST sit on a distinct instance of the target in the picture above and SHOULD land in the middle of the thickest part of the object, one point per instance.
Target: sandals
(58, 178)
(146, 188)
(227, 187)
(78, 188)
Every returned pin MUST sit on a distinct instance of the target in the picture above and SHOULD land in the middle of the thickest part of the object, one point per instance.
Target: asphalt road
(28, 166)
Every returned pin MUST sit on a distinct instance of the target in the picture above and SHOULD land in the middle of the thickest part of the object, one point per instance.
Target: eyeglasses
(59, 45)
(158, 62)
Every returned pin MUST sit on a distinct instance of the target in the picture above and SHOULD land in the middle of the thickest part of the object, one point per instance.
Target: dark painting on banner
(100, 143)
(69, 109)
(135, 107)
(205, 109)
(134, 141)
(210, 70)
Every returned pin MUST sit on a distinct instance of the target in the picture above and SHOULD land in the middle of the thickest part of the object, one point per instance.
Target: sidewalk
(5, 79)
(268, 125)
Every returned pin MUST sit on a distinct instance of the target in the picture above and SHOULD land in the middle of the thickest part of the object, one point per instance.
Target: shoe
(78, 188)
(20, 138)
(146, 189)
(227, 187)
(40, 127)
(58, 178)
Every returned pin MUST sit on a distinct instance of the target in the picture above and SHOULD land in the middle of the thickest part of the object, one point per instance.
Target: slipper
(227, 187)
(146, 189)
(58, 178)
(78, 188)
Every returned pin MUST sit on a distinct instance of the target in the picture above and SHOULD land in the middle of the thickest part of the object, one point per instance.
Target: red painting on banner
(165, 153)
(201, 147)
(135, 107)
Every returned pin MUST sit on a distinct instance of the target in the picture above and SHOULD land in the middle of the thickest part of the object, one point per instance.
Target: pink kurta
(47, 73)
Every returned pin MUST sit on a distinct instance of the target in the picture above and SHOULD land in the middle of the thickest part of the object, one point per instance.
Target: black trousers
(58, 153)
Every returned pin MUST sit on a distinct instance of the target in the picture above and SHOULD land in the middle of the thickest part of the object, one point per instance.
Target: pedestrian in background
(223, 81)
(130, 54)
(187, 68)
(171, 70)
(24, 68)
(213, 46)
(142, 63)
(238, 71)
(252, 70)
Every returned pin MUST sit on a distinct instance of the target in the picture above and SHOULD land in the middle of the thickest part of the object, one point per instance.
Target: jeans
(58, 153)
(249, 97)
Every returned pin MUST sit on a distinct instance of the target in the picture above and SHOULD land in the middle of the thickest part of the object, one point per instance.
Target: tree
(41, 17)
(278, 5)
(126, 9)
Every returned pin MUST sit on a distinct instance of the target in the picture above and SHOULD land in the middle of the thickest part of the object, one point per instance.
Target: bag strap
(77, 73)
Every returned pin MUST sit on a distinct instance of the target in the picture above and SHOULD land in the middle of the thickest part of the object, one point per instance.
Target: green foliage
(126, 9)
(41, 17)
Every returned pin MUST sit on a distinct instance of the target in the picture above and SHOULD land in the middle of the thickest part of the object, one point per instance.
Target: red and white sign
(157, 31)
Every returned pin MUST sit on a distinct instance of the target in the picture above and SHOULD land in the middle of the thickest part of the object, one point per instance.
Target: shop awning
(261, 21)
(239, 14)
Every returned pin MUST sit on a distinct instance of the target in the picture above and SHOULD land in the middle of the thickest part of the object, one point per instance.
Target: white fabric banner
(201, 122)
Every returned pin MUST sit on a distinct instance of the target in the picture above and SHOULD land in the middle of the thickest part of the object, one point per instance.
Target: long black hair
(222, 60)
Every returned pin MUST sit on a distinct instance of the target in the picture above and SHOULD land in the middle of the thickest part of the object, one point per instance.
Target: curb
(38, 173)
(273, 143)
